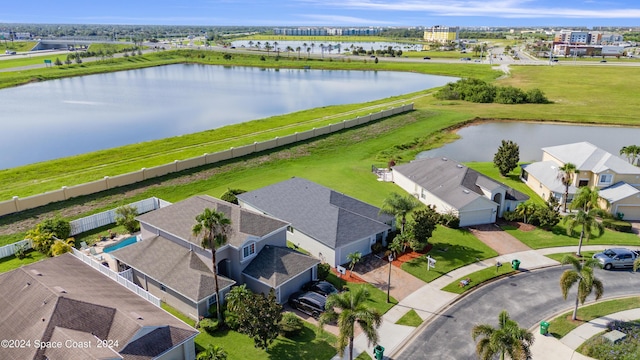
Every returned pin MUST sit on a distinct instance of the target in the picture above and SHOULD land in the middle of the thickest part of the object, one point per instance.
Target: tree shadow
(306, 345)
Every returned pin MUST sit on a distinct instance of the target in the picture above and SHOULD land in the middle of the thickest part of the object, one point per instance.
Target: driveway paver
(497, 239)
(375, 271)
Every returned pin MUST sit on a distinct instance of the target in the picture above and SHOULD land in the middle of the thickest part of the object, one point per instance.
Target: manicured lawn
(539, 238)
(512, 180)
(310, 344)
(173, 311)
(558, 257)
(563, 324)
(478, 278)
(363, 356)
(411, 318)
(377, 298)
(451, 249)
(11, 262)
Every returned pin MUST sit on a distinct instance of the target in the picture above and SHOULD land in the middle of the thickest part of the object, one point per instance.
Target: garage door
(630, 212)
(477, 217)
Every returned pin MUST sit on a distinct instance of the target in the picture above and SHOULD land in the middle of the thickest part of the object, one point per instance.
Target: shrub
(324, 270)
(511, 216)
(536, 96)
(230, 195)
(449, 220)
(231, 320)
(510, 95)
(617, 225)
(377, 247)
(209, 325)
(126, 216)
(290, 325)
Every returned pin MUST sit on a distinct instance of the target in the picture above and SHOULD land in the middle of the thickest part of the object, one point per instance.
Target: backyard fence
(109, 182)
(10, 249)
(123, 278)
(109, 217)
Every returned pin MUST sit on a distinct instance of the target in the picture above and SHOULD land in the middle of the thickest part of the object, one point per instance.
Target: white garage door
(630, 212)
(477, 217)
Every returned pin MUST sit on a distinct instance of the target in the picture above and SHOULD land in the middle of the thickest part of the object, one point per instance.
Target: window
(606, 178)
(162, 287)
(290, 229)
(583, 182)
(212, 300)
(248, 250)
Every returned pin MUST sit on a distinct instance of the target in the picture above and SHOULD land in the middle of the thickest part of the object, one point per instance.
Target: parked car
(603, 61)
(308, 302)
(426, 58)
(323, 288)
(616, 258)
(465, 59)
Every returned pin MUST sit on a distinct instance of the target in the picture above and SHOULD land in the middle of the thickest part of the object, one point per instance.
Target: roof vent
(136, 315)
(444, 159)
(60, 289)
(459, 166)
(35, 272)
(465, 191)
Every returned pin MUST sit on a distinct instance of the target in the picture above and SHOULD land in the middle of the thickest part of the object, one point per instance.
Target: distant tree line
(479, 91)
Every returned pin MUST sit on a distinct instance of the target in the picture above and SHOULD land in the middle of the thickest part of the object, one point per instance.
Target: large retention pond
(59, 118)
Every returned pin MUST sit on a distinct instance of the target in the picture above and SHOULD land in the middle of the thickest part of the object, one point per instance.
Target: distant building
(441, 34)
(316, 31)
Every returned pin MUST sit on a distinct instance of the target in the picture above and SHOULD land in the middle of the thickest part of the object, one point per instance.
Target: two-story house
(618, 181)
(170, 262)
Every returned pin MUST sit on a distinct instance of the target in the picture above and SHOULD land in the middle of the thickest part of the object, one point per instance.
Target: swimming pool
(125, 242)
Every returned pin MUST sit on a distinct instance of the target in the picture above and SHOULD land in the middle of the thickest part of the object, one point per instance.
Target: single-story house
(456, 189)
(170, 262)
(64, 301)
(618, 181)
(328, 224)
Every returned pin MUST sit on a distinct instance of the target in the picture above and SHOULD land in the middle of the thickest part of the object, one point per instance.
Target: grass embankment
(451, 249)
(18, 46)
(479, 277)
(563, 324)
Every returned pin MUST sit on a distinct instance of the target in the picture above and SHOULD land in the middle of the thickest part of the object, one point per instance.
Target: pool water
(126, 242)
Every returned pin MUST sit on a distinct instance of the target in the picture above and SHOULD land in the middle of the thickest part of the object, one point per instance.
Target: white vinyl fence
(8, 250)
(109, 217)
(124, 278)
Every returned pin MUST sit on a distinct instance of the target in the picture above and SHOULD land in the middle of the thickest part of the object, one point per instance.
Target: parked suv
(616, 258)
(324, 288)
(308, 302)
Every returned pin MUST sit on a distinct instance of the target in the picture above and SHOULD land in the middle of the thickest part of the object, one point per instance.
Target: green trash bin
(378, 351)
(544, 327)
(515, 264)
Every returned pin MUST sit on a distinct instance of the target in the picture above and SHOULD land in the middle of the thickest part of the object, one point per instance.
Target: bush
(209, 325)
(324, 270)
(377, 247)
(290, 325)
(231, 320)
(510, 95)
(449, 220)
(536, 96)
(230, 195)
(617, 225)
(511, 216)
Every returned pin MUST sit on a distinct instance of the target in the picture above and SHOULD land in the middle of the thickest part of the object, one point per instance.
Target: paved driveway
(375, 271)
(529, 297)
(497, 239)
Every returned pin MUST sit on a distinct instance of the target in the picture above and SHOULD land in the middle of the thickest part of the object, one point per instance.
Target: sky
(357, 13)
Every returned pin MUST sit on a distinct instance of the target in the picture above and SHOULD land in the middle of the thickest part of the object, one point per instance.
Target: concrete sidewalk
(429, 301)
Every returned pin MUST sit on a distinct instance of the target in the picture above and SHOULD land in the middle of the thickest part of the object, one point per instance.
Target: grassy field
(451, 249)
(539, 238)
(18, 46)
(478, 278)
(563, 324)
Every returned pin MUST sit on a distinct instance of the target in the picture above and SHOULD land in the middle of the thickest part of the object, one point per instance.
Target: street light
(389, 281)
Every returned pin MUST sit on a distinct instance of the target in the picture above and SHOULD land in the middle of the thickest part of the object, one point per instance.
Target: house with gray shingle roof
(617, 179)
(328, 224)
(456, 189)
(170, 262)
(64, 301)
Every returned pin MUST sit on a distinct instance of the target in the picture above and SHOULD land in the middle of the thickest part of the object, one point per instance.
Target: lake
(480, 141)
(71, 116)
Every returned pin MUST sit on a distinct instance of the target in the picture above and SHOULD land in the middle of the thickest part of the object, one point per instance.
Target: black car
(324, 288)
(308, 302)
(426, 58)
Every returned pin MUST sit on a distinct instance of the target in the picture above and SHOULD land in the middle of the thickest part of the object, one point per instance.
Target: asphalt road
(528, 297)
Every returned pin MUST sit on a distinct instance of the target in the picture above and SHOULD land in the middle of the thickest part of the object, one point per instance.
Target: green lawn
(411, 318)
(512, 180)
(558, 257)
(377, 298)
(478, 278)
(563, 324)
(451, 249)
(312, 343)
(173, 311)
(557, 236)
(11, 262)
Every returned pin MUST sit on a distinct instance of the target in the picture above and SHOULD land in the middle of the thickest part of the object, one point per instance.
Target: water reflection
(77, 115)
(480, 142)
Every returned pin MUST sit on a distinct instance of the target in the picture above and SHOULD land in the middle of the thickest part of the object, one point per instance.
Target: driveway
(497, 239)
(375, 271)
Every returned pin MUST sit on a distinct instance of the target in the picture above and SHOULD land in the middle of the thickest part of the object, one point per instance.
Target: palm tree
(288, 49)
(308, 52)
(582, 274)
(631, 152)
(398, 205)
(353, 258)
(298, 50)
(250, 43)
(509, 338)
(215, 227)
(525, 209)
(587, 222)
(313, 47)
(352, 309)
(212, 352)
(267, 46)
(565, 174)
(587, 199)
